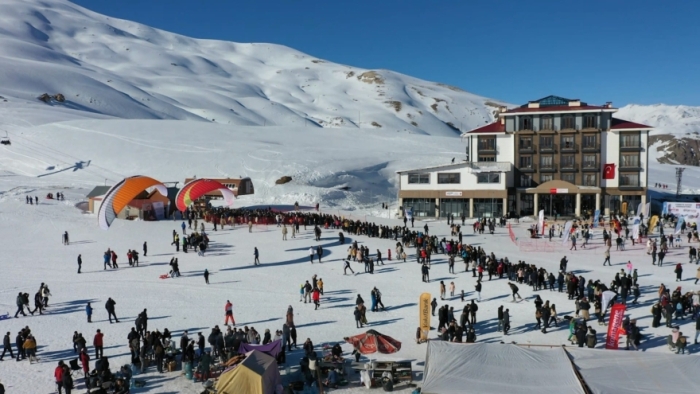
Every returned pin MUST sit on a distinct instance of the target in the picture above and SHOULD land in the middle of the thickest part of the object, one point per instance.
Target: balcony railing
(569, 148)
(631, 148)
(530, 168)
(591, 148)
(532, 148)
(569, 167)
(489, 166)
(548, 167)
(548, 148)
(590, 167)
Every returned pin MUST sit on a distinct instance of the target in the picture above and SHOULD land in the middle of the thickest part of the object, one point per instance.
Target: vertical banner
(679, 224)
(567, 231)
(409, 213)
(640, 209)
(624, 208)
(664, 208)
(647, 210)
(540, 222)
(424, 315)
(617, 313)
(652, 223)
(596, 218)
(606, 297)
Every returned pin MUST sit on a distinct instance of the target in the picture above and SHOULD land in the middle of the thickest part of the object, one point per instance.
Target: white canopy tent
(497, 368)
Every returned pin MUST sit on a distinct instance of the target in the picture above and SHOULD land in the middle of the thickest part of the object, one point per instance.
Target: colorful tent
(271, 349)
(256, 374)
(121, 194)
(199, 187)
(372, 342)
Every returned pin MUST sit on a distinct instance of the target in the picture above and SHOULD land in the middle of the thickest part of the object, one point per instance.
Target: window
(525, 180)
(421, 206)
(419, 178)
(547, 161)
(525, 161)
(546, 123)
(487, 143)
(487, 158)
(567, 142)
(525, 142)
(568, 177)
(629, 141)
(629, 179)
(590, 121)
(630, 160)
(526, 123)
(567, 122)
(589, 141)
(589, 161)
(488, 178)
(590, 179)
(546, 142)
(448, 177)
(567, 161)
(546, 178)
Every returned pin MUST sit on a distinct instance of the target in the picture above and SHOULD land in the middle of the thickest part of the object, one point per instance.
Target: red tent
(373, 341)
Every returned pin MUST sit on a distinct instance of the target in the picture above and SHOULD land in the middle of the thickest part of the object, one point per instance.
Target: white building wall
(643, 159)
(468, 181)
(609, 153)
(505, 144)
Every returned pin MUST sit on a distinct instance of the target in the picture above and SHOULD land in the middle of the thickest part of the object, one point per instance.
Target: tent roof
(98, 191)
(636, 372)
(257, 361)
(497, 368)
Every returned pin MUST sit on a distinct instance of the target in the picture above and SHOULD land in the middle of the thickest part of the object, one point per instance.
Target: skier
(229, 313)
(109, 305)
(206, 275)
(514, 289)
(257, 256)
(80, 262)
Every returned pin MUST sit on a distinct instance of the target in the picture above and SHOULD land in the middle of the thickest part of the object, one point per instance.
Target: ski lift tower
(679, 177)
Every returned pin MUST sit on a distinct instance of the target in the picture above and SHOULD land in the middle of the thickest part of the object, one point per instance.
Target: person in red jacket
(97, 342)
(58, 376)
(229, 313)
(316, 296)
(85, 360)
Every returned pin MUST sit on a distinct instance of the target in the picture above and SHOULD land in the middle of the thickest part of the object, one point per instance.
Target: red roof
(557, 108)
(495, 127)
(618, 124)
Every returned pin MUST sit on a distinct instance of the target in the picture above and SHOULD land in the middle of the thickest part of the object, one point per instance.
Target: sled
(5, 316)
(166, 276)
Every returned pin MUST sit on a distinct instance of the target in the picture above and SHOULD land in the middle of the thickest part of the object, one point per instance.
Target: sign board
(453, 194)
(558, 191)
(681, 208)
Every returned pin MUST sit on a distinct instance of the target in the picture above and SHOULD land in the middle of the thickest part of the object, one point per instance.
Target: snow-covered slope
(124, 69)
(678, 120)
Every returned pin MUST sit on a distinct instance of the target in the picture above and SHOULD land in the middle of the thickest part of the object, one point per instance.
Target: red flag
(617, 314)
(609, 171)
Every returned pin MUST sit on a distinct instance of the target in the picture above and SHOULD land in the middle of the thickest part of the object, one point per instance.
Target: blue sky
(641, 51)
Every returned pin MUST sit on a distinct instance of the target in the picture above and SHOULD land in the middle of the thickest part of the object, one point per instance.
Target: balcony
(631, 148)
(528, 169)
(489, 166)
(531, 148)
(548, 168)
(630, 168)
(486, 149)
(594, 148)
(552, 148)
(569, 168)
(630, 186)
(569, 148)
(590, 167)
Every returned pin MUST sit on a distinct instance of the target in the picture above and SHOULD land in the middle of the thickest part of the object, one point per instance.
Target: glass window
(590, 121)
(488, 178)
(546, 141)
(546, 178)
(488, 207)
(567, 142)
(448, 177)
(454, 206)
(487, 158)
(629, 141)
(567, 161)
(526, 123)
(590, 179)
(630, 160)
(568, 177)
(589, 161)
(487, 143)
(526, 142)
(546, 123)
(567, 122)
(547, 161)
(525, 161)
(419, 178)
(420, 206)
(589, 140)
(525, 180)
(629, 179)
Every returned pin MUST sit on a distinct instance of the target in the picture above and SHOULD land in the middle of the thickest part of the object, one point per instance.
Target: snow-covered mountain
(109, 67)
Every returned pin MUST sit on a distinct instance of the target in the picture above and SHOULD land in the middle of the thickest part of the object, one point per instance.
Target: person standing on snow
(145, 249)
(257, 256)
(80, 262)
(206, 276)
(88, 312)
(514, 290)
(316, 296)
(98, 344)
(109, 306)
(65, 238)
(347, 267)
(319, 253)
(311, 254)
(184, 227)
(284, 232)
(229, 313)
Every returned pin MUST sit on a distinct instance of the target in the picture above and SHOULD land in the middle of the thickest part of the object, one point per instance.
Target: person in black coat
(581, 335)
(145, 249)
(109, 306)
(80, 262)
(19, 342)
(67, 380)
(7, 346)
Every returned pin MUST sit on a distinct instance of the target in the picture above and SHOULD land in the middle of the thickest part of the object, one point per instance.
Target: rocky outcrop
(670, 149)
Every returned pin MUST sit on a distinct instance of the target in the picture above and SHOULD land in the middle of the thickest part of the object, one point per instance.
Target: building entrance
(557, 204)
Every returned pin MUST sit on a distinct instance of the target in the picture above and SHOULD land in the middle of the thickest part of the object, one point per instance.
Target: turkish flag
(609, 171)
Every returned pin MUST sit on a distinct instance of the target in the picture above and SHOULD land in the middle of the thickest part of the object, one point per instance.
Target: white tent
(622, 372)
(497, 368)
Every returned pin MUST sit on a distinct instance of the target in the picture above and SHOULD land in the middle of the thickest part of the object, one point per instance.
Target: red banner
(511, 233)
(609, 171)
(617, 314)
